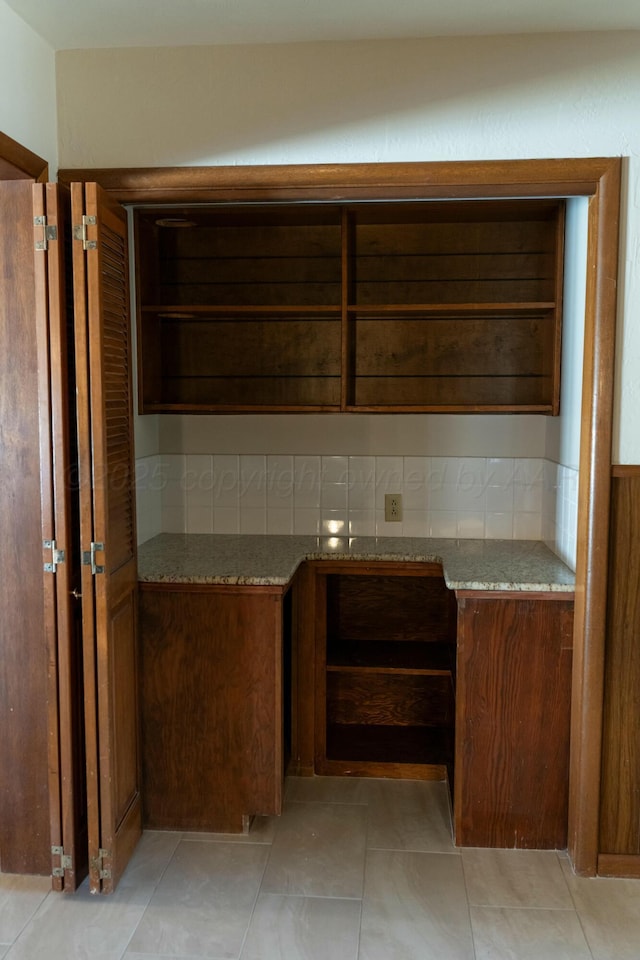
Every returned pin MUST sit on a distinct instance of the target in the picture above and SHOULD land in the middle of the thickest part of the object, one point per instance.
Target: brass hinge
(66, 862)
(57, 556)
(48, 233)
(89, 558)
(105, 872)
(97, 864)
(80, 233)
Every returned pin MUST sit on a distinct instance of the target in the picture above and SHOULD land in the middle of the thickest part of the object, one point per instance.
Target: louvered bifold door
(106, 468)
(63, 629)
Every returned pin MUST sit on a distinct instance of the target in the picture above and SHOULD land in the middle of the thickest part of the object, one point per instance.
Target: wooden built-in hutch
(66, 700)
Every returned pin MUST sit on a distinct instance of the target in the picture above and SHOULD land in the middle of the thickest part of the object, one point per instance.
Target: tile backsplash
(496, 498)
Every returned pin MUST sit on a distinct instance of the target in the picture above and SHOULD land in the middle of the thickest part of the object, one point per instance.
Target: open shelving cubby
(388, 306)
(239, 308)
(386, 672)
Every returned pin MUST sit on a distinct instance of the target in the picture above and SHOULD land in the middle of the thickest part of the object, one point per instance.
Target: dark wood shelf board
(394, 656)
(234, 311)
(430, 745)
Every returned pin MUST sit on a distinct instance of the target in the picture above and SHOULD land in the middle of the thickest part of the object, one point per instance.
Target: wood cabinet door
(108, 531)
(63, 620)
(512, 720)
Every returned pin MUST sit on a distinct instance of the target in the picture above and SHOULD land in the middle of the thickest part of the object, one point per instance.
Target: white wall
(560, 477)
(27, 88)
(436, 99)
(563, 432)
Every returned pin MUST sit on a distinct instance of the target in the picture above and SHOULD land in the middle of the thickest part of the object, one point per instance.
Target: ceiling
(69, 24)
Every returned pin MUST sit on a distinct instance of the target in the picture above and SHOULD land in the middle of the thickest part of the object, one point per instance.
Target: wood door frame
(19, 163)
(598, 179)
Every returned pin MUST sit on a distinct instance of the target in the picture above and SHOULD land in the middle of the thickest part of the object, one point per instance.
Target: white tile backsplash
(560, 510)
(199, 482)
(334, 469)
(252, 520)
(306, 483)
(226, 520)
(226, 477)
(362, 523)
(510, 498)
(334, 496)
(280, 483)
(306, 521)
(280, 520)
(149, 483)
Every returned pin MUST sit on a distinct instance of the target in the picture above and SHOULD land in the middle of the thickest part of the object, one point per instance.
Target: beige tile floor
(353, 870)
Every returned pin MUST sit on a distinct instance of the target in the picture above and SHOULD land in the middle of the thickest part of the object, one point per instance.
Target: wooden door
(24, 800)
(108, 539)
(62, 621)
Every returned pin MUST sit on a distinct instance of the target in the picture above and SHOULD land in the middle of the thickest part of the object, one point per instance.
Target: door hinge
(89, 558)
(80, 233)
(57, 556)
(49, 233)
(97, 864)
(66, 862)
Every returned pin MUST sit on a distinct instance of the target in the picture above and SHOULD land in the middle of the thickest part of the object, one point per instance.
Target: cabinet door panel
(63, 612)
(212, 710)
(106, 472)
(512, 722)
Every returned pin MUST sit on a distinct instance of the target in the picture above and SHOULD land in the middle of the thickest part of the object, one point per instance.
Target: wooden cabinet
(215, 670)
(360, 669)
(390, 694)
(512, 720)
(384, 640)
(387, 306)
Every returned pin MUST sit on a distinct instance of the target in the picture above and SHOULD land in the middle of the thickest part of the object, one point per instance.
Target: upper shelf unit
(386, 306)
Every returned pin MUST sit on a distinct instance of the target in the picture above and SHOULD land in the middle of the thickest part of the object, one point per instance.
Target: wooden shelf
(194, 311)
(515, 308)
(369, 311)
(394, 656)
(390, 744)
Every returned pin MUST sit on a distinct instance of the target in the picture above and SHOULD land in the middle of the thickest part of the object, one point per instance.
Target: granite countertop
(267, 560)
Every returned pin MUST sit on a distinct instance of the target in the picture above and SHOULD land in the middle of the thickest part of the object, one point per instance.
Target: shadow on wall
(424, 99)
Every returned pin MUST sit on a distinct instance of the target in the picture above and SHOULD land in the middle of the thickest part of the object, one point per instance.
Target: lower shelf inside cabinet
(390, 744)
(412, 656)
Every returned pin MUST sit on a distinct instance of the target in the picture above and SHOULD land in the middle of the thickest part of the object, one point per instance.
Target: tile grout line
(364, 876)
(575, 907)
(466, 891)
(153, 892)
(31, 918)
(259, 890)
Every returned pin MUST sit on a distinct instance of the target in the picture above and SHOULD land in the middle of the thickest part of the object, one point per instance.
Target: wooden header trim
(337, 182)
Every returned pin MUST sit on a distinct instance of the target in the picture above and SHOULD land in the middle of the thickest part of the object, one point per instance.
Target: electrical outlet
(393, 507)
